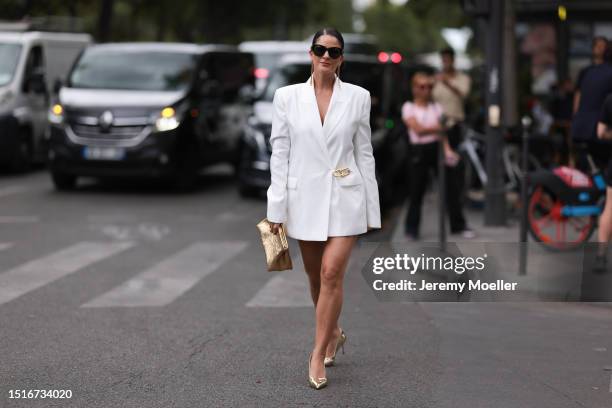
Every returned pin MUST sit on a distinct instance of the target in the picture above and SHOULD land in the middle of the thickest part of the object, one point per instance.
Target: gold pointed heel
(317, 385)
(330, 361)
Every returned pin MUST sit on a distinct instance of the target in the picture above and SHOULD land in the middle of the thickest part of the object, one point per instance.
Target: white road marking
(5, 245)
(15, 219)
(144, 231)
(287, 289)
(39, 272)
(170, 278)
(11, 190)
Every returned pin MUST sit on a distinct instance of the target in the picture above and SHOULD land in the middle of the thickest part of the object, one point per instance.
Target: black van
(150, 109)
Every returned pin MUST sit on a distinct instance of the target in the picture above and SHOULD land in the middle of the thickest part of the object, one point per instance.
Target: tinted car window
(134, 70)
(232, 71)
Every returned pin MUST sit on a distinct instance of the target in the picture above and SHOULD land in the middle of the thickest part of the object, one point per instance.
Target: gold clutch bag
(275, 246)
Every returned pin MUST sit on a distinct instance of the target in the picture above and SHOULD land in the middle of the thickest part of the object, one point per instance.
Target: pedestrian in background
(595, 86)
(451, 89)
(598, 49)
(422, 116)
(604, 132)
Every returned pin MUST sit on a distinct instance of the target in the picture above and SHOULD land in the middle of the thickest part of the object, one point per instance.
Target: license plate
(103, 153)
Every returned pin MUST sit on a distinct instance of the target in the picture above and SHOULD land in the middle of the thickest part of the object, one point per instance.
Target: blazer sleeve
(279, 162)
(364, 158)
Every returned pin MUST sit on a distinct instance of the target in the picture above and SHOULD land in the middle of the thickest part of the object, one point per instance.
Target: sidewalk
(474, 218)
(550, 275)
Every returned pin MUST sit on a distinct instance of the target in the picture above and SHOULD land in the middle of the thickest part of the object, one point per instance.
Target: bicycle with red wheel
(563, 206)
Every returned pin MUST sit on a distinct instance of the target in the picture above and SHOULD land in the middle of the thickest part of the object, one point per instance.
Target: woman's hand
(451, 157)
(275, 227)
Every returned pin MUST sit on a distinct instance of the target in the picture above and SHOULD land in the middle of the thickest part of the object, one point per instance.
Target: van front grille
(113, 133)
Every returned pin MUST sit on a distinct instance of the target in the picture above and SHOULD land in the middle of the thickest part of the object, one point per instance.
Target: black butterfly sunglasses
(319, 51)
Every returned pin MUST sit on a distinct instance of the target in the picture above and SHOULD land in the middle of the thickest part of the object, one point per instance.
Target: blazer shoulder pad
(357, 90)
(285, 91)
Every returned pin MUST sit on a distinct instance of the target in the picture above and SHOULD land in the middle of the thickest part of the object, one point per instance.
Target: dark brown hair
(329, 31)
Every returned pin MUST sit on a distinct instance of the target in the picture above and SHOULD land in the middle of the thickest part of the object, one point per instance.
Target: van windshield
(9, 56)
(133, 70)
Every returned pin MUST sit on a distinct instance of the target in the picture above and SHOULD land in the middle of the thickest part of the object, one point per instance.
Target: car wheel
(22, 158)
(247, 191)
(62, 181)
(186, 176)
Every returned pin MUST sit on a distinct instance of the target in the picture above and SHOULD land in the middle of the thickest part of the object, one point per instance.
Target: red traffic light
(396, 57)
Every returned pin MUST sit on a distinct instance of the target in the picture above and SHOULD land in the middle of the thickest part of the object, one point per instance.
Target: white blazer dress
(307, 194)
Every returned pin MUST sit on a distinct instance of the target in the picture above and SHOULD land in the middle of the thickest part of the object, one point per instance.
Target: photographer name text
(426, 286)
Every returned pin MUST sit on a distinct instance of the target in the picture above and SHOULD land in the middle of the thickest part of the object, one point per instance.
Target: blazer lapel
(308, 100)
(336, 109)
(333, 116)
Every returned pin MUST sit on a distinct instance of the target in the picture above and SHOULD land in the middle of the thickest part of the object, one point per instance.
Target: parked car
(267, 56)
(362, 70)
(30, 62)
(150, 109)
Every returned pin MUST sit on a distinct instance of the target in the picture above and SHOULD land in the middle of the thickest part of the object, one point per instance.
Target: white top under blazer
(304, 194)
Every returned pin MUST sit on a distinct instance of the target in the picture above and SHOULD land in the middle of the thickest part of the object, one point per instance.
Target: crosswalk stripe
(39, 272)
(289, 289)
(5, 245)
(10, 190)
(170, 278)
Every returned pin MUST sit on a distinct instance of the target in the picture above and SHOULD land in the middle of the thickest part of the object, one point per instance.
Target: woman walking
(323, 184)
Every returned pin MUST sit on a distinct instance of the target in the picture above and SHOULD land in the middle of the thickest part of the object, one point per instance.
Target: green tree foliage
(411, 27)
(414, 26)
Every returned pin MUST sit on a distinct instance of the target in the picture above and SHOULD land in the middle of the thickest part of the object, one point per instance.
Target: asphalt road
(130, 295)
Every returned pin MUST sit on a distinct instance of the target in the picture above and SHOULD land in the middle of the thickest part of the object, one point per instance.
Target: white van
(30, 64)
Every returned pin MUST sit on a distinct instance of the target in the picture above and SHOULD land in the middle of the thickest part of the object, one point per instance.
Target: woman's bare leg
(312, 256)
(335, 259)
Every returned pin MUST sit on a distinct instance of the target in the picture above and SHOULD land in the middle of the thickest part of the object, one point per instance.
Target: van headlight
(56, 114)
(167, 120)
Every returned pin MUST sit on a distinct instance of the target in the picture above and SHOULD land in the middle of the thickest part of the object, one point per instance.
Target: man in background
(451, 89)
(598, 50)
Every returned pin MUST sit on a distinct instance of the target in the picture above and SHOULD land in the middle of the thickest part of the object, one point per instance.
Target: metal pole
(495, 193)
(526, 122)
(441, 194)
